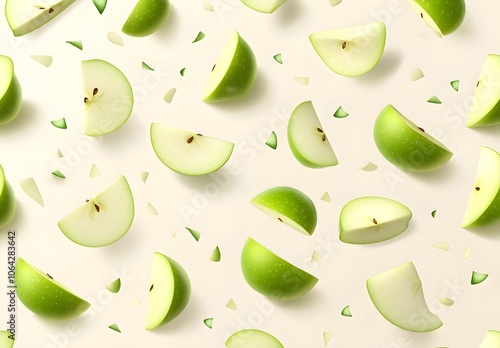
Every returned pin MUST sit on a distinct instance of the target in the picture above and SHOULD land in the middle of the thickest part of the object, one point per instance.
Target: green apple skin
(11, 94)
(264, 6)
(252, 338)
(407, 146)
(272, 276)
(491, 340)
(443, 16)
(45, 296)
(239, 73)
(289, 206)
(5, 339)
(7, 200)
(147, 17)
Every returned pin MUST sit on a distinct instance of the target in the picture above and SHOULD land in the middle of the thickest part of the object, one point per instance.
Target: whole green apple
(10, 91)
(7, 200)
(442, 16)
(146, 17)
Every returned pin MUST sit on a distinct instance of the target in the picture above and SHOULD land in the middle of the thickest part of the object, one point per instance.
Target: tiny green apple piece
(252, 338)
(491, 339)
(169, 291)
(485, 108)
(478, 278)
(398, 296)
(6, 339)
(108, 97)
(351, 51)
(101, 220)
(147, 17)
(272, 141)
(372, 219)
(196, 234)
(290, 206)
(45, 296)
(30, 187)
(100, 5)
(483, 208)
(78, 44)
(215, 256)
(209, 322)
(340, 113)
(442, 16)
(114, 286)
(7, 200)
(406, 145)
(199, 37)
(11, 94)
(307, 139)
(61, 123)
(455, 84)
(115, 327)
(272, 276)
(327, 336)
(264, 6)
(346, 312)
(25, 16)
(234, 73)
(189, 153)
(434, 100)
(58, 174)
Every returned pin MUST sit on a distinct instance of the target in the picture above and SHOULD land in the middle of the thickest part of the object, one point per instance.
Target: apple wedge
(146, 17)
(10, 91)
(264, 6)
(483, 208)
(397, 294)
(491, 340)
(102, 220)
(307, 139)
(351, 51)
(442, 16)
(169, 291)
(372, 219)
(7, 200)
(25, 16)
(252, 338)
(189, 153)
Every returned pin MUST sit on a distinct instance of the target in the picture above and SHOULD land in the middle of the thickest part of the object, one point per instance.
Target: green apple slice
(25, 16)
(351, 51)
(169, 291)
(264, 6)
(6, 340)
(491, 340)
(114, 286)
(442, 16)
(189, 153)
(290, 206)
(146, 17)
(102, 220)
(483, 208)
(108, 97)
(115, 327)
(272, 276)
(10, 91)
(7, 200)
(406, 145)
(307, 139)
(478, 278)
(44, 296)
(252, 338)
(485, 108)
(372, 219)
(234, 72)
(30, 187)
(397, 294)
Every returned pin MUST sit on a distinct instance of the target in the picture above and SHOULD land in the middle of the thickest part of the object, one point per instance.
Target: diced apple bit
(327, 336)
(144, 176)
(334, 2)
(466, 253)
(31, 189)
(433, 213)
(196, 235)
(215, 256)
(77, 44)
(152, 210)
(272, 141)
(326, 197)
(100, 5)
(199, 37)
(58, 174)
(209, 322)
(445, 301)
(316, 256)
(44, 60)
(455, 85)
(278, 58)
(442, 246)
(346, 312)
(94, 171)
(61, 124)
(115, 38)
(182, 71)
(147, 67)
(477, 277)
(417, 74)
(340, 113)
(59, 154)
(114, 286)
(434, 100)
(169, 95)
(231, 305)
(302, 80)
(115, 327)
(369, 167)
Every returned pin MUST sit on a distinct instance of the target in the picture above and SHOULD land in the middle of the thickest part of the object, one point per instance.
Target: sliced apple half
(307, 139)
(10, 91)
(491, 340)
(102, 220)
(264, 6)
(169, 291)
(252, 338)
(108, 97)
(146, 17)
(351, 51)
(372, 219)
(483, 208)
(442, 16)
(189, 153)
(25, 16)
(290, 206)
(485, 108)
(397, 294)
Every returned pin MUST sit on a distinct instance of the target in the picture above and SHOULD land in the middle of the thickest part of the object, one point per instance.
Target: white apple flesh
(264, 6)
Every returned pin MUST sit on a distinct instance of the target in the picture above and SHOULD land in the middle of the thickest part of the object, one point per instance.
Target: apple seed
(421, 15)
(421, 129)
(85, 100)
(344, 44)
(319, 130)
(375, 221)
(86, 201)
(151, 288)
(97, 208)
(190, 140)
(323, 137)
(48, 275)
(477, 188)
(280, 220)
(51, 10)
(94, 92)
(213, 67)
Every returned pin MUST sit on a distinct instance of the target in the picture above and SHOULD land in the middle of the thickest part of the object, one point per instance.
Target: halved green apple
(234, 72)
(24, 16)
(169, 291)
(102, 220)
(7, 200)
(11, 94)
(351, 51)
(397, 294)
(146, 17)
(307, 139)
(372, 219)
(442, 16)
(491, 340)
(252, 338)
(108, 97)
(189, 153)
(264, 6)
(290, 206)
(270, 275)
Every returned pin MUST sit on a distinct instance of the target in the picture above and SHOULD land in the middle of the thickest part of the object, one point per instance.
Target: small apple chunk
(264, 6)
(146, 17)
(397, 294)
(442, 16)
(290, 206)
(7, 200)
(252, 338)
(406, 145)
(102, 220)
(234, 72)
(351, 51)
(307, 139)
(10, 91)
(270, 275)
(44, 296)
(491, 340)
(372, 219)
(6, 340)
(169, 291)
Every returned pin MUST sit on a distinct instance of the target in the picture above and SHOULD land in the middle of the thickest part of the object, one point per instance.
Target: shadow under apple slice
(26, 116)
(388, 64)
(289, 12)
(169, 28)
